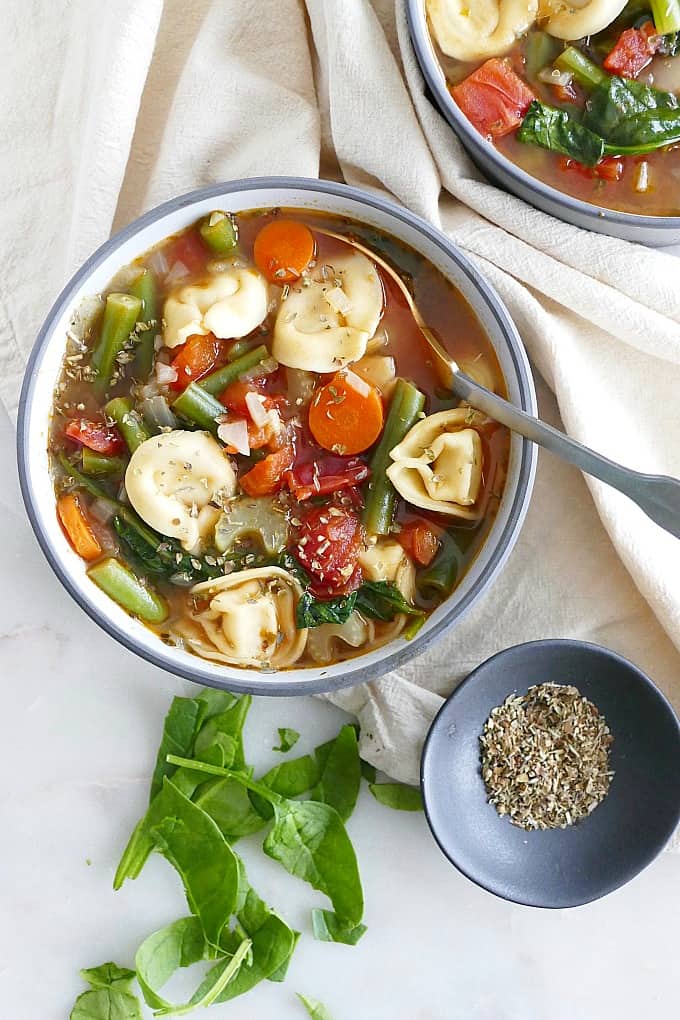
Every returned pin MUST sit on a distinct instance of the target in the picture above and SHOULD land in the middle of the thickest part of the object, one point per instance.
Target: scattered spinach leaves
(109, 997)
(288, 738)
(315, 1009)
(397, 796)
(340, 773)
(328, 927)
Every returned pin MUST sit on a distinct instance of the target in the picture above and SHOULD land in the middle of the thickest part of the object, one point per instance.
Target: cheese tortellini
(173, 478)
(472, 30)
(574, 19)
(326, 321)
(386, 560)
(249, 620)
(230, 304)
(438, 465)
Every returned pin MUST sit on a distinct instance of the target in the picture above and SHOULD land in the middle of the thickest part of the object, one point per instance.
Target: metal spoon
(657, 495)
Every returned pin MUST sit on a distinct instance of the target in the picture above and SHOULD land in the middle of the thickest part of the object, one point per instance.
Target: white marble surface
(80, 726)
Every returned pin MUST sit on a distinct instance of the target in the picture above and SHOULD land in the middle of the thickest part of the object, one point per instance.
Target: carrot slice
(76, 527)
(283, 249)
(197, 357)
(346, 415)
(267, 477)
(420, 540)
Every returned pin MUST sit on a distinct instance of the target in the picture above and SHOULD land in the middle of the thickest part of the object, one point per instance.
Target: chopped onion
(265, 367)
(102, 509)
(177, 272)
(338, 300)
(159, 263)
(256, 410)
(157, 412)
(642, 177)
(357, 383)
(235, 433)
(553, 76)
(165, 374)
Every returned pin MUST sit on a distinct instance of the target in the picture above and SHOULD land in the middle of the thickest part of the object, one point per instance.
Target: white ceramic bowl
(44, 368)
(655, 231)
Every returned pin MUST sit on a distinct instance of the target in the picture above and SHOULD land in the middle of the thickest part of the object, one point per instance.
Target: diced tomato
(633, 51)
(190, 250)
(420, 540)
(611, 168)
(267, 477)
(494, 98)
(330, 474)
(197, 357)
(567, 94)
(328, 544)
(96, 435)
(234, 396)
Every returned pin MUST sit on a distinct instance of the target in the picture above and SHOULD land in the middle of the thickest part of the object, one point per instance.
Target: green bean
(98, 465)
(127, 590)
(129, 421)
(405, 408)
(240, 348)
(219, 380)
(584, 70)
(120, 315)
(81, 481)
(199, 407)
(439, 578)
(219, 232)
(666, 14)
(144, 288)
(539, 52)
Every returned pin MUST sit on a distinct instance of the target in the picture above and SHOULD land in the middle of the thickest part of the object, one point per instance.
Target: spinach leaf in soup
(288, 738)
(109, 997)
(558, 131)
(328, 927)
(397, 796)
(613, 107)
(312, 612)
(382, 600)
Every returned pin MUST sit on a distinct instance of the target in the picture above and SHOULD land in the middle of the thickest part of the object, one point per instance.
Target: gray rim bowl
(43, 368)
(649, 230)
(625, 832)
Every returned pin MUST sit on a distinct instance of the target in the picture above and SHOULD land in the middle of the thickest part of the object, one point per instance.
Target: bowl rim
(434, 77)
(276, 684)
(555, 644)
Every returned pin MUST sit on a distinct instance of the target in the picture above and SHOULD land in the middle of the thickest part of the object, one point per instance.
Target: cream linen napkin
(124, 104)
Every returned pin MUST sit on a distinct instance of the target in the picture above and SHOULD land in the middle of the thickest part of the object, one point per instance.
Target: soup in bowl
(575, 104)
(237, 454)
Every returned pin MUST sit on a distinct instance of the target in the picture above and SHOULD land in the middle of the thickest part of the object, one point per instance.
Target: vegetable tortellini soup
(582, 94)
(251, 448)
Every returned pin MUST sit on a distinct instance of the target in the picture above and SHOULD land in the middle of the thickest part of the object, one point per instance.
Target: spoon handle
(657, 495)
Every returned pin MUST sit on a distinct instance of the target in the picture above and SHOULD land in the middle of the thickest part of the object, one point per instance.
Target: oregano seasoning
(545, 757)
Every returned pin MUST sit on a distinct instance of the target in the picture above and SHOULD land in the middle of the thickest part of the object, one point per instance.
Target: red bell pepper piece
(96, 435)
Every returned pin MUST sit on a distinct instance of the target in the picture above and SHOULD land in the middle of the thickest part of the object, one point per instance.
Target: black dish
(558, 867)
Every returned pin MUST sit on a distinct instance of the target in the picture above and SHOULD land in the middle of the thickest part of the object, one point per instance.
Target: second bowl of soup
(237, 454)
(575, 107)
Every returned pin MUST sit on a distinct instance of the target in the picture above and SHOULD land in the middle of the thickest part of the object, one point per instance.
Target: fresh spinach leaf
(179, 944)
(397, 796)
(179, 733)
(382, 600)
(287, 739)
(230, 723)
(368, 771)
(110, 997)
(206, 864)
(311, 842)
(280, 973)
(312, 612)
(289, 779)
(559, 131)
(214, 702)
(340, 778)
(617, 103)
(315, 1009)
(230, 807)
(328, 927)
(157, 553)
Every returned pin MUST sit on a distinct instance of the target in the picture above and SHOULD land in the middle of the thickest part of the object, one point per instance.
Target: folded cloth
(167, 96)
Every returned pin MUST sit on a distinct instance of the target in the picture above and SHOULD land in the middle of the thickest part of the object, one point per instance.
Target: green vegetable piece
(135, 855)
(179, 733)
(382, 600)
(123, 587)
(405, 407)
(110, 997)
(539, 52)
(340, 777)
(312, 612)
(397, 796)
(218, 230)
(581, 67)
(205, 862)
(280, 973)
(99, 466)
(368, 771)
(230, 807)
(230, 722)
(258, 518)
(315, 1009)
(179, 944)
(413, 628)
(144, 288)
(241, 347)
(129, 422)
(439, 578)
(617, 104)
(198, 407)
(328, 927)
(287, 739)
(229, 373)
(81, 481)
(666, 14)
(289, 779)
(120, 316)
(558, 131)
(213, 702)
(158, 554)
